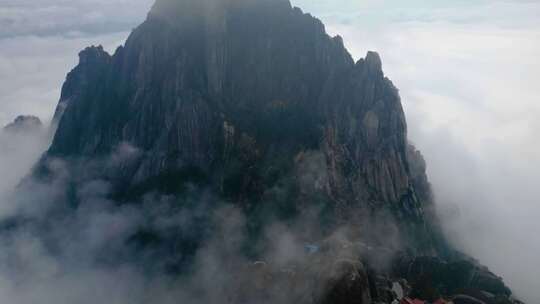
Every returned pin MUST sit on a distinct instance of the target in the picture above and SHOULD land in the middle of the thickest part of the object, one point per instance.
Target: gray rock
(235, 84)
(253, 102)
(24, 123)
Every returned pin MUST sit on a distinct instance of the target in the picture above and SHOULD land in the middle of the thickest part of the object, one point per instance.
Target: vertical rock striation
(239, 92)
(251, 103)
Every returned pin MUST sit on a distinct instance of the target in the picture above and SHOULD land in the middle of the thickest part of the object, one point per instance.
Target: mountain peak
(190, 5)
(250, 103)
(24, 123)
(92, 55)
(373, 60)
(196, 11)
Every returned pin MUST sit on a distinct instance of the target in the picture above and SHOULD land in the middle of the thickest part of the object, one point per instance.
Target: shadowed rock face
(239, 96)
(252, 102)
(93, 63)
(228, 86)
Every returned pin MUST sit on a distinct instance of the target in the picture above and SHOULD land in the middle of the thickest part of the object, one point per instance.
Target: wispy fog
(18, 153)
(87, 255)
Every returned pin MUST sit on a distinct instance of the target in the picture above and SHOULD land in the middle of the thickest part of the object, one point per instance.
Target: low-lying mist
(61, 254)
(19, 151)
(488, 203)
(472, 111)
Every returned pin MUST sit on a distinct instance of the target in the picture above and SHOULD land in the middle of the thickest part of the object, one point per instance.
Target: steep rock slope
(234, 90)
(253, 102)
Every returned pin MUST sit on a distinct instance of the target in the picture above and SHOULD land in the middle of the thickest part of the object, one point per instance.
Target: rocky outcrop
(23, 124)
(238, 91)
(81, 81)
(418, 175)
(251, 103)
(462, 279)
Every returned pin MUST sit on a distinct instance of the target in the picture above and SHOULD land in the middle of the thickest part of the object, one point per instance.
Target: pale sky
(468, 73)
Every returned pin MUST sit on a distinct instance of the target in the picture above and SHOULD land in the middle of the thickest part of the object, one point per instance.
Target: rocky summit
(24, 123)
(251, 105)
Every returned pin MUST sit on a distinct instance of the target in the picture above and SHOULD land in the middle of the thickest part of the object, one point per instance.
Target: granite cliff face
(253, 102)
(228, 88)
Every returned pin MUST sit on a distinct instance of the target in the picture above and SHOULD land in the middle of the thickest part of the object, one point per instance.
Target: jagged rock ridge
(192, 94)
(254, 102)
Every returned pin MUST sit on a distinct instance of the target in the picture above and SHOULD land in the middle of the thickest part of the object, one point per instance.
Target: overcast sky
(468, 72)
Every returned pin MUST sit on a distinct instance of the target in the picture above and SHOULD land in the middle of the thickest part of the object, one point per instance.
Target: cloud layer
(66, 18)
(39, 42)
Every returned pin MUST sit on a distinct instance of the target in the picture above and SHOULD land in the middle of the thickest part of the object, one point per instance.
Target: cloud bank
(39, 42)
(64, 241)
